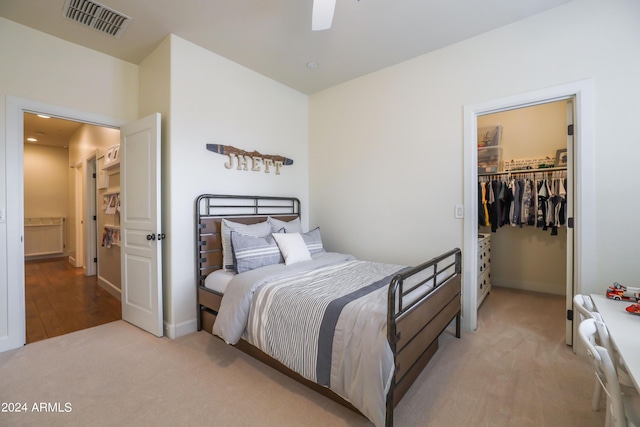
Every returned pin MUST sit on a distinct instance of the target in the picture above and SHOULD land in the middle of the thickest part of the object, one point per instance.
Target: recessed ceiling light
(312, 64)
(32, 140)
(43, 116)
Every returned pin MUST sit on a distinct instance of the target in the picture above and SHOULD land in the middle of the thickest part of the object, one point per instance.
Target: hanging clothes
(496, 205)
(508, 202)
(482, 221)
(485, 205)
(527, 198)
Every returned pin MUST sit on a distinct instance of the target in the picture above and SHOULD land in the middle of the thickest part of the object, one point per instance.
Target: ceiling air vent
(97, 16)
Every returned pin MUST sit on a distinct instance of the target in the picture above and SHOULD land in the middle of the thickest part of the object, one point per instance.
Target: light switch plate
(459, 211)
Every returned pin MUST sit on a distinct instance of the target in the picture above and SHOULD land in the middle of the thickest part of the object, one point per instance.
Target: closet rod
(541, 170)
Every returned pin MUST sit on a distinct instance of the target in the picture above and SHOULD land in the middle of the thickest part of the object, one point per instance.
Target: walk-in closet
(524, 198)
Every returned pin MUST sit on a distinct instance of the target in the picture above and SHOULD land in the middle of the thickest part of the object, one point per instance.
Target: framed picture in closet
(561, 158)
(116, 153)
(109, 156)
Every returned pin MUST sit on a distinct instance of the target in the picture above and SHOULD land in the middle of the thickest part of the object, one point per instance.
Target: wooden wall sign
(242, 159)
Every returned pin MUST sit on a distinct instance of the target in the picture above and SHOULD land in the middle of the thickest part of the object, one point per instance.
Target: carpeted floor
(515, 370)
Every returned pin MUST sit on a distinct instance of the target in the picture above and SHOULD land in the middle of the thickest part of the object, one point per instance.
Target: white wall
(393, 141)
(46, 189)
(384, 151)
(46, 71)
(88, 138)
(213, 100)
(46, 181)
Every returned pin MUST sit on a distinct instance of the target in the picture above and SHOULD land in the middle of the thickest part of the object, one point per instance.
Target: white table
(624, 330)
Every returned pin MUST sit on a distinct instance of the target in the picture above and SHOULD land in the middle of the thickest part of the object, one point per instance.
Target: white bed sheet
(219, 280)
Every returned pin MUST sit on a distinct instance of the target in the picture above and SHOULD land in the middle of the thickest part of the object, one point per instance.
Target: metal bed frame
(418, 310)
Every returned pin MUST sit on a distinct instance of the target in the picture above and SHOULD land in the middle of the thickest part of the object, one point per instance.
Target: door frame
(15, 326)
(584, 173)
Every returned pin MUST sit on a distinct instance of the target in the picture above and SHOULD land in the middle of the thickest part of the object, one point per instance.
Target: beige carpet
(515, 370)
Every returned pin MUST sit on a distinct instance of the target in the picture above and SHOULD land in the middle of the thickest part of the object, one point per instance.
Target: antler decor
(243, 157)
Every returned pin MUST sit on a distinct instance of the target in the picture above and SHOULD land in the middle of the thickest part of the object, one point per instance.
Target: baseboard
(181, 329)
(109, 287)
(44, 256)
(547, 288)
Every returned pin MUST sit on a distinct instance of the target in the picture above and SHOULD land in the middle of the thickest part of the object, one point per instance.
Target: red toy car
(620, 292)
(633, 308)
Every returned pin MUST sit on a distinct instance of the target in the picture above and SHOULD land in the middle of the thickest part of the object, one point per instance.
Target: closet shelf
(111, 191)
(542, 170)
(111, 166)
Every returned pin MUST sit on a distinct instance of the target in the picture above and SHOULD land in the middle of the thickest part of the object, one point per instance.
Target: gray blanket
(326, 320)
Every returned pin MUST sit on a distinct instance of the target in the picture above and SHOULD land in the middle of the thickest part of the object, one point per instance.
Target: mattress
(219, 280)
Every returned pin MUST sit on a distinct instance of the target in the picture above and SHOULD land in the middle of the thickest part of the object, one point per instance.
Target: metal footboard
(422, 301)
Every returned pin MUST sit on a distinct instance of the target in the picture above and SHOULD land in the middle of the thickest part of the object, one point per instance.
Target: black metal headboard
(212, 208)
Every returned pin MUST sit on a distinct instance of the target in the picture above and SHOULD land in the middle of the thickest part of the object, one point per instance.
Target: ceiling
(274, 37)
(53, 132)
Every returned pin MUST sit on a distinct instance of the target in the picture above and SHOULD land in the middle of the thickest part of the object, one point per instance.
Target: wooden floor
(60, 299)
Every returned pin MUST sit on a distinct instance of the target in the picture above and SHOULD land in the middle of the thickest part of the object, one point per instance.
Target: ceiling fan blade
(322, 14)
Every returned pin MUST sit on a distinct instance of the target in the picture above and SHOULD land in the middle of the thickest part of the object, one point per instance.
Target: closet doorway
(581, 249)
(63, 293)
(525, 151)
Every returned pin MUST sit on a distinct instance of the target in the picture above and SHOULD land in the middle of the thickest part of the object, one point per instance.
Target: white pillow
(293, 247)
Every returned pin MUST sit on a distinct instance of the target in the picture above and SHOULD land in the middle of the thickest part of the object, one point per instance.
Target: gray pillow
(313, 241)
(253, 252)
(293, 226)
(260, 229)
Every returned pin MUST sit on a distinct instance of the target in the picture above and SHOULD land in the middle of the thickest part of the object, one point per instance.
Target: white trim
(584, 232)
(16, 335)
(181, 329)
(90, 231)
(15, 326)
(109, 287)
(79, 232)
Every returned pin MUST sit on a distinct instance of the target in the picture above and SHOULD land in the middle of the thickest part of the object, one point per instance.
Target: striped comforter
(326, 320)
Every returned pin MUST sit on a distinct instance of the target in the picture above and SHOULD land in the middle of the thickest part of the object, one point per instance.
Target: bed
(411, 305)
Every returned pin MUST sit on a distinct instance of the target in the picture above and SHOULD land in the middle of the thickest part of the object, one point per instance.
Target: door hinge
(94, 176)
(570, 222)
(570, 315)
(95, 260)
(94, 218)
(570, 130)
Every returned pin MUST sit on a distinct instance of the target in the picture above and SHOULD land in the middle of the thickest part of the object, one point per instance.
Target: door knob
(161, 236)
(151, 236)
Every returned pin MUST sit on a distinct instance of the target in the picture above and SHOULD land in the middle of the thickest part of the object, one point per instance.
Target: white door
(140, 220)
(79, 215)
(571, 192)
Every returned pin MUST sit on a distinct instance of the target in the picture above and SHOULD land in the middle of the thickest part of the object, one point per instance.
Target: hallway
(60, 299)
